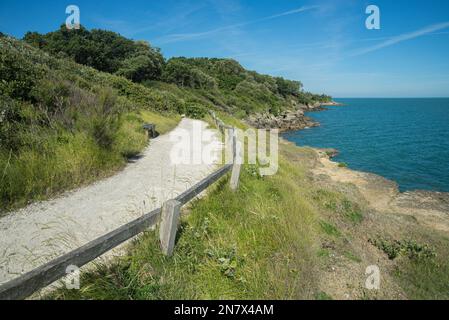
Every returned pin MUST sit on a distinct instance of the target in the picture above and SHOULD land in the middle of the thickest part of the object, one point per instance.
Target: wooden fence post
(169, 226)
(237, 166)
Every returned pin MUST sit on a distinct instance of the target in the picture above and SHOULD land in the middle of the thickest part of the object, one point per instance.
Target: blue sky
(325, 44)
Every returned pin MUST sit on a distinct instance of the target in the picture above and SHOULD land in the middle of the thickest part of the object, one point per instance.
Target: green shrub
(408, 248)
(19, 74)
(63, 124)
(195, 111)
(103, 50)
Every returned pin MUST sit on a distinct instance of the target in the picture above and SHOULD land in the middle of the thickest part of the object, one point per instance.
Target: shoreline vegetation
(71, 110)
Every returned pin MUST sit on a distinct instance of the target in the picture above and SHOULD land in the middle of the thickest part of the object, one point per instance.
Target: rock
(332, 103)
(286, 121)
(328, 152)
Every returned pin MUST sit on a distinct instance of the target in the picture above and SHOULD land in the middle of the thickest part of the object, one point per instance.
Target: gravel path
(40, 232)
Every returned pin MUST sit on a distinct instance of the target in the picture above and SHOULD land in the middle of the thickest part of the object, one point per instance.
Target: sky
(324, 44)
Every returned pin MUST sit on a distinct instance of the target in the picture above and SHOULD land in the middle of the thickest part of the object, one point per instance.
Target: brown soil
(387, 213)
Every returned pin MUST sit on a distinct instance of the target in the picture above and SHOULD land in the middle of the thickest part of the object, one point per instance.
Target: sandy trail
(40, 232)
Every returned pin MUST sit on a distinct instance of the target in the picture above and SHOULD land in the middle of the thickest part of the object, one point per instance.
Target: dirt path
(40, 232)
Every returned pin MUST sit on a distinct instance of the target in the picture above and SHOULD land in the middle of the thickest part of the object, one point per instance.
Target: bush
(19, 74)
(195, 112)
(105, 121)
(186, 76)
(408, 248)
(139, 68)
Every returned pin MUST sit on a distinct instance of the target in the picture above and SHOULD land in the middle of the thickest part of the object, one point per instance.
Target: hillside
(209, 82)
(71, 112)
(301, 234)
(64, 124)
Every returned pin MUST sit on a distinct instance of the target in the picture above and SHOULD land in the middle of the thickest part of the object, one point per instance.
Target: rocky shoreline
(290, 120)
(428, 208)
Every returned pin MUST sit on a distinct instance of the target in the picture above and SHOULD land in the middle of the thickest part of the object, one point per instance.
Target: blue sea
(405, 140)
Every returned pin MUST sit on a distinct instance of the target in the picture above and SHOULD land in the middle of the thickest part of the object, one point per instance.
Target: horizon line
(424, 97)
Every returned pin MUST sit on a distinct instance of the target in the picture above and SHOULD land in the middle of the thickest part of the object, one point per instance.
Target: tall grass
(63, 125)
(68, 160)
(257, 243)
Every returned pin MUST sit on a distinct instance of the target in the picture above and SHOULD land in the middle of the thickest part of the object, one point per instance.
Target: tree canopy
(220, 82)
(103, 50)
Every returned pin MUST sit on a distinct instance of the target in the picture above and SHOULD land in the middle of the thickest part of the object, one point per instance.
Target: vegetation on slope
(257, 243)
(103, 50)
(221, 83)
(71, 104)
(281, 237)
(63, 124)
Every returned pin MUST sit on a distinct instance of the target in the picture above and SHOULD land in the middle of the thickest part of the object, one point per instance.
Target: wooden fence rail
(29, 283)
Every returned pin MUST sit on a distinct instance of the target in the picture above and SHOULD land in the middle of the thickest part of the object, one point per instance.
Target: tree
(103, 50)
(288, 87)
(140, 68)
(35, 39)
(184, 75)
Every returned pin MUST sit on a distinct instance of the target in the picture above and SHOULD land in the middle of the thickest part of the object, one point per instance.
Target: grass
(425, 279)
(258, 243)
(351, 256)
(276, 238)
(338, 203)
(323, 296)
(421, 268)
(69, 160)
(330, 229)
(163, 123)
(64, 125)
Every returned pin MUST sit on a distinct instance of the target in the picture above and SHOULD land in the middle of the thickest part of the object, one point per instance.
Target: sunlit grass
(66, 161)
(259, 242)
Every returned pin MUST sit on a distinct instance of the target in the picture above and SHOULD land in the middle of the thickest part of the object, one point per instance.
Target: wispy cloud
(162, 20)
(190, 36)
(404, 37)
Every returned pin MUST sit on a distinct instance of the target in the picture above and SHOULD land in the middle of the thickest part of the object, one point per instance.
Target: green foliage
(288, 87)
(48, 100)
(195, 111)
(244, 245)
(63, 124)
(184, 75)
(425, 279)
(105, 122)
(337, 203)
(18, 72)
(235, 88)
(219, 83)
(139, 68)
(408, 248)
(323, 296)
(351, 211)
(330, 229)
(103, 50)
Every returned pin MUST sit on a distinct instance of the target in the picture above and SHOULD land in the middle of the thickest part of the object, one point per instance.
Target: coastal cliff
(367, 221)
(289, 120)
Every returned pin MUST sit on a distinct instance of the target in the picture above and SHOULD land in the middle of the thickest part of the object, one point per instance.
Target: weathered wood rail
(168, 217)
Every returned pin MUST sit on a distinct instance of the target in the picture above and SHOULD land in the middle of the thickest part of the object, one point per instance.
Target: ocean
(404, 140)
